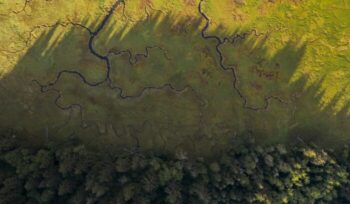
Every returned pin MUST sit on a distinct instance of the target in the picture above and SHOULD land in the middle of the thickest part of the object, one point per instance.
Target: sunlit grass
(308, 40)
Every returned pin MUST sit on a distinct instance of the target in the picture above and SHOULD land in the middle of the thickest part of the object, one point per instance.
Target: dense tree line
(70, 173)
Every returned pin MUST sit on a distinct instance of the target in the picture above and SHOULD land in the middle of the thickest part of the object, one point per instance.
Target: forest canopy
(248, 173)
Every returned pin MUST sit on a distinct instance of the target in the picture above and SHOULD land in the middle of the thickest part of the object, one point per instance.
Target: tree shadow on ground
(161, 73)
(326, 126)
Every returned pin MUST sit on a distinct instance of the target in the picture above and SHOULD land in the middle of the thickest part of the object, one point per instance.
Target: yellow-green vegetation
(172, 75)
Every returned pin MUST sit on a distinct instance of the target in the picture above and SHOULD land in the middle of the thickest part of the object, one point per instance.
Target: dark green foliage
(70, 173)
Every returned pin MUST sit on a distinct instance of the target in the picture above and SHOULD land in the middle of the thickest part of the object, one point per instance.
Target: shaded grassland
(156, 78)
